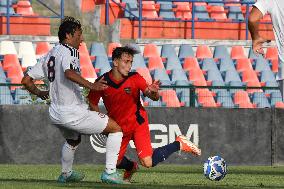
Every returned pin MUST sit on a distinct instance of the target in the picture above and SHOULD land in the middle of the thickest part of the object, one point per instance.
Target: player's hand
(257, 45)
(44, 95)
(155, 86)
(99, 85)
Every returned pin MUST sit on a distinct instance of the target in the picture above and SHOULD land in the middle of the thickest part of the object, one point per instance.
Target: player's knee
(146, 162)
(74, 143)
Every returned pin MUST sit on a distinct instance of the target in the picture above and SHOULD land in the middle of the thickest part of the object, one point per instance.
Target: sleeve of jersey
(263, 6)
(37, 72)
(94, 97)
(141, 83)
(68, 61)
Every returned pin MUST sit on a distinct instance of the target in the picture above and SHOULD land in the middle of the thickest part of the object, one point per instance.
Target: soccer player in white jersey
(68, 111)
(276, 9)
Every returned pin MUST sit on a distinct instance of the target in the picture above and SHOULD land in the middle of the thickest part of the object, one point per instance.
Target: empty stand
(190, 63)
(221, 51)
(150, 50)
(42, 48)
(155, 63)
(238, 52)
(203, 51)
(170, 98)
(185, 51)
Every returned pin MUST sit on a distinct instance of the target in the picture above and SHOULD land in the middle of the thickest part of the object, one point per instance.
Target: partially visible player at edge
(122, 101)
(68, 111)
(276, 10)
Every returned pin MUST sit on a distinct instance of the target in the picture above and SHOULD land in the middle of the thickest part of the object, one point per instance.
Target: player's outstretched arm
(257, 40)
(27, 81)
(75, 77)
(152, 91)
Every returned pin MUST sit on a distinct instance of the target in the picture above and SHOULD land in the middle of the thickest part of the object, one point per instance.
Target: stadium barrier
(241, 136)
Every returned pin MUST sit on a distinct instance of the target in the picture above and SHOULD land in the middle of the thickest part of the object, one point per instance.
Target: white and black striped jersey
(65, 95)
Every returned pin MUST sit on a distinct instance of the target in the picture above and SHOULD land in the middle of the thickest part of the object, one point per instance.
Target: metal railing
(193, 20)
(56, 14)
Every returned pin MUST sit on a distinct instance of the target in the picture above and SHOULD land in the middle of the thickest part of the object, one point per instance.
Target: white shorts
(92, 123)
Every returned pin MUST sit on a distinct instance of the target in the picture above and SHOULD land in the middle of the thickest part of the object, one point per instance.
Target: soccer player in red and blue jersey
(122, 101)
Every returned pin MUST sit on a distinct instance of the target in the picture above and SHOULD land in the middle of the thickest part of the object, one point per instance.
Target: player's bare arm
(152, 91)
(75, 77)
(27, 81)
(257, 40)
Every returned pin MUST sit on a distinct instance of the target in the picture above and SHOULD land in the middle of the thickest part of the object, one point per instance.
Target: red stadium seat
(155, 62)
(111, 47)
(249, 75)
(218, 13)
(149, 10)
(182, 11)
(87, 5)
(24, 8)
(279, 105)
(190, 63)
(146, 74)
(85, 60)
(10, 60)
(238, 52)
(203, 51)
(205, 97)
(42, 48)
(88, 73)
(150, 50)
(241, 97)
(83, 48)
(170, 98)
(243, 64)
(271, 53)
(274, 63)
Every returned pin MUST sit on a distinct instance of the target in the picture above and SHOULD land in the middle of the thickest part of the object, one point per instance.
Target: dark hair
(68, 26)
(118, 51)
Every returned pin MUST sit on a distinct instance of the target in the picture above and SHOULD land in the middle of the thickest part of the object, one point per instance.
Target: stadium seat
(201, 12)
(150, 50)
(83, 48)
(249, 76)
(15, 74)
(173, 62)
(203, 51)
(24, 8)
(170, 98)
(216, 3)
(235, 86)
(241, 97)
(151, 103)
(231, 75)
(102, 64)
(260, 100)
(97, 49)
(226, 64)
(149, 10)
(166, 11)
(3, 10)
(275, 97)
(267, 75)
(111, 47)
(209, 64)
(214, 75)
(144, 72)
(132, 10)
(275, 64)
(235, 13)
(42, 48)
(271, 53)
(28, 60)
(261, 64)
(161, 74)
(22, 96)
(253, 55)
(7, 47)
(197, 77)
(225, 99)
(205, 98)
(178, 75)
(190, 63)
(155, 63)
(10, 60)
(271, 84)
(26, 47)
(218, 13)
(168, 50)
(182, 11)
(218, 83)
(238, 52)
(138, 62)
(88, 73)
(185, 51)
(5, 95)
(243, 64)
(221, 51)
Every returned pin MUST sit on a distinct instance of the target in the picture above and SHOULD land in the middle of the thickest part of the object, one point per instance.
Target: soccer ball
(215, 168)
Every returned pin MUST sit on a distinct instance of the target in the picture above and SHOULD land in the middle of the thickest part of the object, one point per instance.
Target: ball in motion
(215, 168)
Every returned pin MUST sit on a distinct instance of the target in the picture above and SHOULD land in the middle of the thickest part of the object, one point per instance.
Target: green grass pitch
(162, 176)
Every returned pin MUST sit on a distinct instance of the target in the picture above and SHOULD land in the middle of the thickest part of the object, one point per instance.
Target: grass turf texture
(163, 176)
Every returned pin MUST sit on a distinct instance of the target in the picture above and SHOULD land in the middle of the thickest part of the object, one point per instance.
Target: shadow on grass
(89, 184)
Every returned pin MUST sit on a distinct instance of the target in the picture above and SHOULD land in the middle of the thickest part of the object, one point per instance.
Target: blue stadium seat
(166, 11)
(209, 64)
(132, 10)
(161, 74)
(173, 62)
(232, 75)
(178, 75)
(184, 96)
(225, 98)
(22, 96)
(186, 50)
(216, 3)
(2, 73)
(218, 83)
(138, 62)
(152, 103)
(97, 49)
(5, 95)
(275, 97)
(226, 64)
(168, 50)
(235, 13)
(267, 75)
(182, 83)
(271, 84)
(129, 1)
(260, 100)
(261, 64)
(221, 51)
(3, 10)
(252, 55)
(102, 63)
(164, 2)
(235, 84)
(214, 75)
(201, 13)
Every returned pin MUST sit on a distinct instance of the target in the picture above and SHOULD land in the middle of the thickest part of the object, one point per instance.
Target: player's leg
(73, 139)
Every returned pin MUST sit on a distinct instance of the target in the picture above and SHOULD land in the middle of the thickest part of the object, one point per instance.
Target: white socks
(112, 149)
(67, 158)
